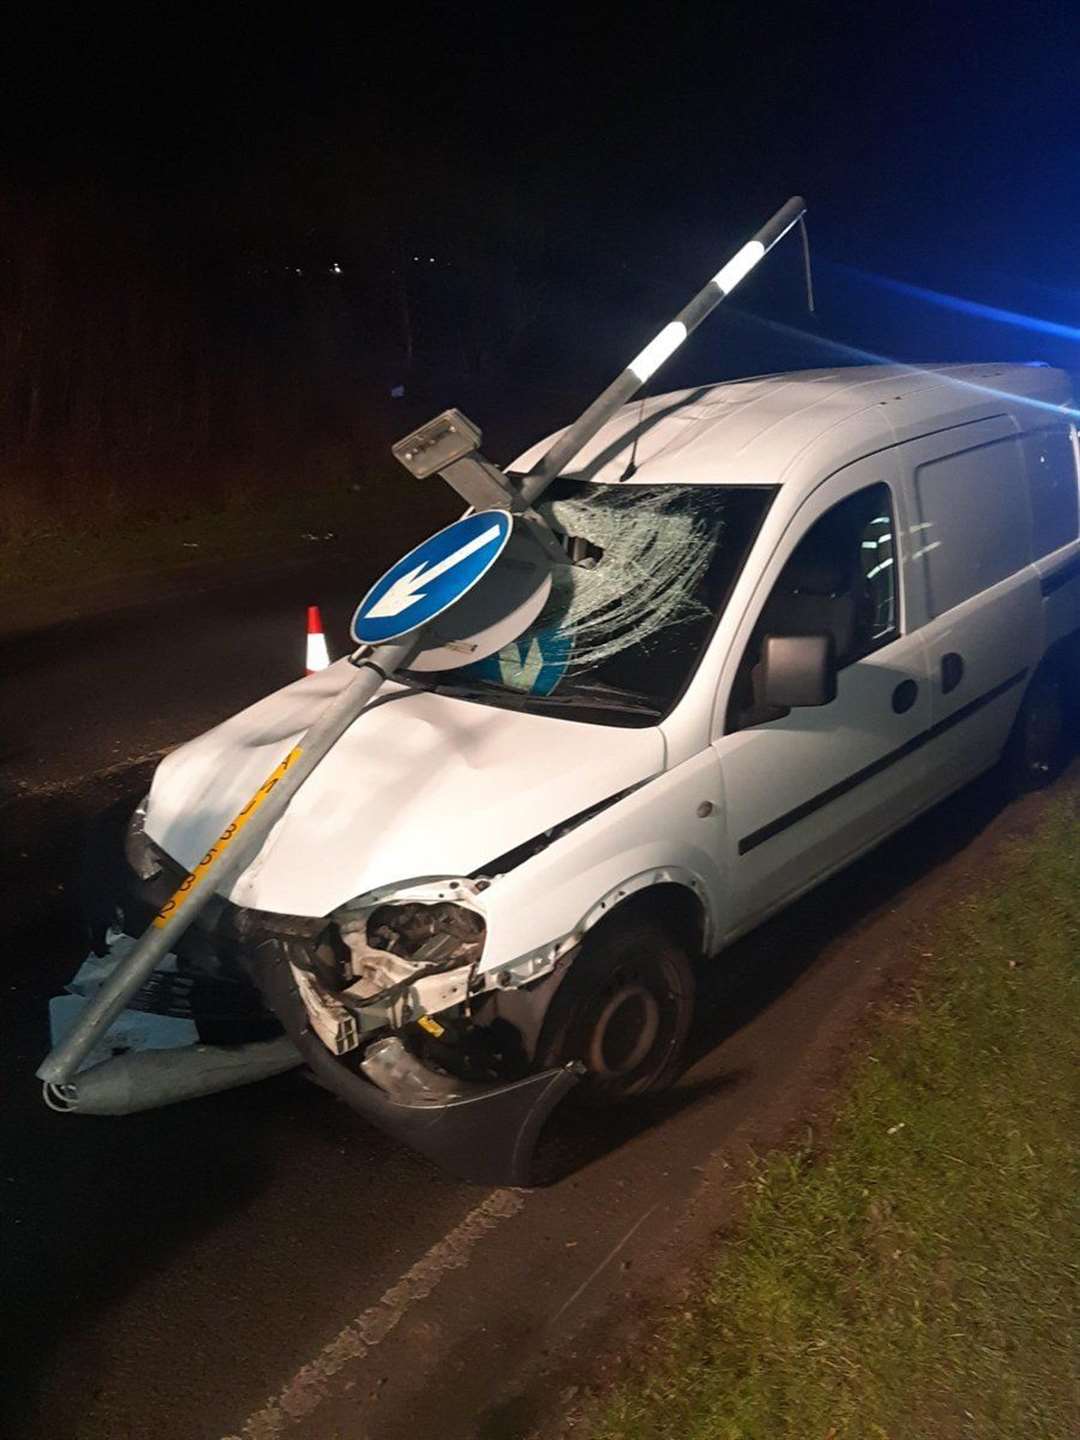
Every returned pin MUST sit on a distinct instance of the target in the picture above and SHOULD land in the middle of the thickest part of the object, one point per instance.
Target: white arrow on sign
(406, 591)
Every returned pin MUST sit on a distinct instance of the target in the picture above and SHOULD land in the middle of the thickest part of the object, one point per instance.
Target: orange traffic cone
(318, 657)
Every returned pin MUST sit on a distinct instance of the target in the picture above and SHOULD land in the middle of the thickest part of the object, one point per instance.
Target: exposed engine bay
(401, 962)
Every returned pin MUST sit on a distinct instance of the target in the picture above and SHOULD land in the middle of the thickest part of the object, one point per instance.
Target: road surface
(263, 1264)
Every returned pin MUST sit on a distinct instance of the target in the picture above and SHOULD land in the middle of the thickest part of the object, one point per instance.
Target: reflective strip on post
(739, 266)
(658, 350)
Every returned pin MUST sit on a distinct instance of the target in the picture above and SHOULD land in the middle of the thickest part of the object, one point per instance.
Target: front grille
(225, 1011)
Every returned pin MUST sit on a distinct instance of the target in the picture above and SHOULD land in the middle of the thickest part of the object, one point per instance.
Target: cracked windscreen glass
(651, 569)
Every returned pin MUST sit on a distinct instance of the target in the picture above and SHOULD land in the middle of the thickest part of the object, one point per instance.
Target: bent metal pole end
(60, 1098)
(571, 441)
(148, 1079)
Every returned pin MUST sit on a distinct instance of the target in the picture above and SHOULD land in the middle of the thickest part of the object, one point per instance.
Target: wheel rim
(624, 1032)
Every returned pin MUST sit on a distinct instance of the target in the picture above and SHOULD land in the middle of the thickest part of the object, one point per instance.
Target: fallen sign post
(224, 862)
(392, 619)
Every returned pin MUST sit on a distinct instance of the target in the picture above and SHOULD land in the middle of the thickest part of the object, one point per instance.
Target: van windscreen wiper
(596, 701)
(591, 697)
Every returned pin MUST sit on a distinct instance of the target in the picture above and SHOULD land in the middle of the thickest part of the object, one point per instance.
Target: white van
(818, 603)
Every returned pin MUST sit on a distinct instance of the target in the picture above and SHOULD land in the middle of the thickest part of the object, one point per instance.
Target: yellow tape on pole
(222, 843)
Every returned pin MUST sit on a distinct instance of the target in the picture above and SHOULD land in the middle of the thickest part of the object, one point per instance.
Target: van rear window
(974, 521)
(1052, 482)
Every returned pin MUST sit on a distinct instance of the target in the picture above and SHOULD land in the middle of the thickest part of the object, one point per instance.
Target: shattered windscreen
(651, 568)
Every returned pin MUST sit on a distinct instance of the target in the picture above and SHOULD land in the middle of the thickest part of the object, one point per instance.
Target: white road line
(310, 1385)
(603, 1263)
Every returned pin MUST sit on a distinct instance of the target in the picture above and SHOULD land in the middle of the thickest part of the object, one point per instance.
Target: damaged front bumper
(480, 1131)
(485, 1133)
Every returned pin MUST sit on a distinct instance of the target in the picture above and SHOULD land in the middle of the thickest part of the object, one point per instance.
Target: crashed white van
(799, 610)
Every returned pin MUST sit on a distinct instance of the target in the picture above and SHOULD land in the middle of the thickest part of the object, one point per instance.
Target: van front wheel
(1038, 746)
(624, 1010)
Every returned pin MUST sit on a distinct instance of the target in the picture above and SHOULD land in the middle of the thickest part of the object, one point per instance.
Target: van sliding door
(969, 546)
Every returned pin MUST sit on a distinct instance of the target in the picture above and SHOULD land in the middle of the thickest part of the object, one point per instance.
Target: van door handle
(952, 671)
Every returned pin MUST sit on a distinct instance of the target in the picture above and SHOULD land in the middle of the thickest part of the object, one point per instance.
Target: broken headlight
(427, 934)
(401, 940)
(392, 956)
(141, 853)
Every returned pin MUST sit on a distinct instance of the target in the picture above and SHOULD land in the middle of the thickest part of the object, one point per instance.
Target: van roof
(752, 431)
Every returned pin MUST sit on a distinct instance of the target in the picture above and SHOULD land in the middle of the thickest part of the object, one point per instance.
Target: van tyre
(624, 1010)
(1039, 744)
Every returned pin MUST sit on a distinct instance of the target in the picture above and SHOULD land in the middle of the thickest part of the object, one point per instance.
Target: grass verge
(922, 1278)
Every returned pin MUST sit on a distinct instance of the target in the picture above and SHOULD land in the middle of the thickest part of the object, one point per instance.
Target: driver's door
(808, 790)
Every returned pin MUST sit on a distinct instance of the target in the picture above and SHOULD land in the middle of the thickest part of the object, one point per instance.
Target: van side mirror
(798, 670)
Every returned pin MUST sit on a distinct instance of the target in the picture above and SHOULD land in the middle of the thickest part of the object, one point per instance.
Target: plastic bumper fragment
(485, 1134)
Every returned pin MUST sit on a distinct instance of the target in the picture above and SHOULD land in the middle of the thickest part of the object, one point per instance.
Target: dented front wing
(483, 1133)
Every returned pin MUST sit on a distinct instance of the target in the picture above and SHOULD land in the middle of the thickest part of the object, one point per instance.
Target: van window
(974, 521)
(877, 554)
(840, 580)
(1052, 484)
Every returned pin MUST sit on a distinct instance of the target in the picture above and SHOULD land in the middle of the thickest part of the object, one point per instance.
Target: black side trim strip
(528, 848)
(1057, 578)
(808, 807)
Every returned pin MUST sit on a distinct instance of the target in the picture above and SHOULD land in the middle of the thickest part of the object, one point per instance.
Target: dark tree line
(201, 349)
(134, 364)
(165, 349)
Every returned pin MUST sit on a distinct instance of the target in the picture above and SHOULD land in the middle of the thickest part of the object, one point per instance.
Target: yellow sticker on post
(224, 840)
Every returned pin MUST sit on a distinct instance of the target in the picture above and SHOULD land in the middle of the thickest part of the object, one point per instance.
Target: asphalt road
(263, 1264)
(85, 692)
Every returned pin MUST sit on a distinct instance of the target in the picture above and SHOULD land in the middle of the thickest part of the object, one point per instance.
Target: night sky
(615, 156)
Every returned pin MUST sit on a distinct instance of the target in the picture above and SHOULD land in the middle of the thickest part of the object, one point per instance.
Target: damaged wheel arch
(624, 1009)
(657, 901)
(671, 898)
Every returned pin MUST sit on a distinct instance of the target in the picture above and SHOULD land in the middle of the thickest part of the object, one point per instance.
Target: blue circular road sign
(432, 577)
